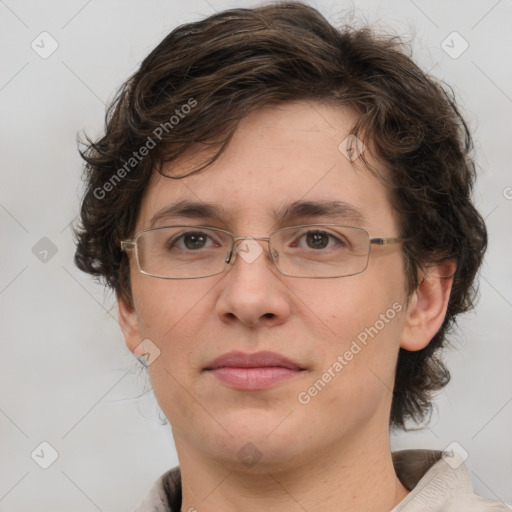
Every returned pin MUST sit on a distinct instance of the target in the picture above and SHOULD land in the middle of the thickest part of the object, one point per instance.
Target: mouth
(256, 371)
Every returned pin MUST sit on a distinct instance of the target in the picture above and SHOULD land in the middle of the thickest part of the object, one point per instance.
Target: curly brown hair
(236, 61)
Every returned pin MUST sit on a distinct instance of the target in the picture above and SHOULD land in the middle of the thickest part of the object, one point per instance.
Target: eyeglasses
(309, 251)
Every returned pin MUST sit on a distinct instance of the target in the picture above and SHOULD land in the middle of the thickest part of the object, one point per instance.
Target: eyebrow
(338, 210)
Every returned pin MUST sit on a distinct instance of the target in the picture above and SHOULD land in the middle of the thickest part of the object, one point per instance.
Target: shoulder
(164, 495)
(438, 481)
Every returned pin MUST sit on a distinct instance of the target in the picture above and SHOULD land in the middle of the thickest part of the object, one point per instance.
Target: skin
(333, 453)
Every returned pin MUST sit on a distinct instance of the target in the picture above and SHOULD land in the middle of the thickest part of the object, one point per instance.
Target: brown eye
(190, 241)
(194, 240)
(317, 239)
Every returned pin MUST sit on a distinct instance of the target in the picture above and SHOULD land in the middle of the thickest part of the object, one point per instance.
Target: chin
(260, 442)
(261, 457)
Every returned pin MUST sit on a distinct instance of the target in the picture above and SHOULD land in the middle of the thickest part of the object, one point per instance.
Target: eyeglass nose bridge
(229, 258)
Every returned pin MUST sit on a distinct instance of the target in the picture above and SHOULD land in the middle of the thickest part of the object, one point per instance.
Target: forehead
(279, 158)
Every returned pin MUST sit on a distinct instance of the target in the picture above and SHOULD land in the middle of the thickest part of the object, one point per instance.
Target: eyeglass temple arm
(388, 241)
(127, 244)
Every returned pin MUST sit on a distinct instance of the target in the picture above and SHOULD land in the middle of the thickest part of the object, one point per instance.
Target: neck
(351, 477)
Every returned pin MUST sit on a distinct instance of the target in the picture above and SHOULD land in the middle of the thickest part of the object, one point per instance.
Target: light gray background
(66, 376)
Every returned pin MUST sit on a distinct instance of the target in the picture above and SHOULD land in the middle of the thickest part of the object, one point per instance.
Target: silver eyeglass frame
(128, 245)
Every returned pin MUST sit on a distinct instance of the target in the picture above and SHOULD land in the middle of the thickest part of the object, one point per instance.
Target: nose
(253, 292)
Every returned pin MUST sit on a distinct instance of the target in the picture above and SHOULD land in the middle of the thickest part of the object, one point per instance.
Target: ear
(427, 306)
(129, 324)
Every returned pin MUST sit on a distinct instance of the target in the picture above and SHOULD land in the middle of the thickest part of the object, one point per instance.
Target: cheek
(355, 380)
(345, 307)
(163, 305)
(171, 317)
(357, 322)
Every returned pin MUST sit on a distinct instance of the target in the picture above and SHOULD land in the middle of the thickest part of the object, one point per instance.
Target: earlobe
(427, 306)
(129, 324)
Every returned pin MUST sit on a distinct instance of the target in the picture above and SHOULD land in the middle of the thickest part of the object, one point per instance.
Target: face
(340, 336)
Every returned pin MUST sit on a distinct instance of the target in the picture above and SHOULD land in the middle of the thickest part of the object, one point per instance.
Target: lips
(256, 371)
(256, 360)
